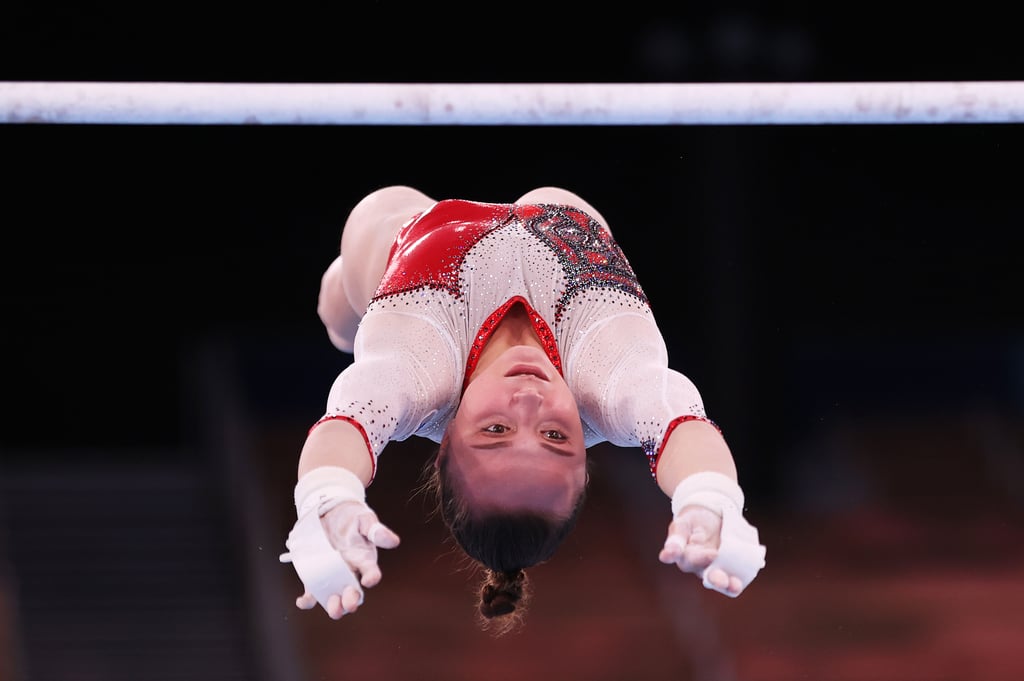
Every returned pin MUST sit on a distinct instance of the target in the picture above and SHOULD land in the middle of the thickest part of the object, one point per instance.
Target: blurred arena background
(848, 300)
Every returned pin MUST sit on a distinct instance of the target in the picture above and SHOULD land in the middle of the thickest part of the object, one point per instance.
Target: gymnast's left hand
(719, 545)
(692, 544)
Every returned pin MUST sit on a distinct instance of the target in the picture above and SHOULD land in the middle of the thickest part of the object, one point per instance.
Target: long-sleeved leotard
(453, 273)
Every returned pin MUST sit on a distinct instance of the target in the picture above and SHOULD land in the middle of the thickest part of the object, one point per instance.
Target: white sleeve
(403, 381)
(626, 392)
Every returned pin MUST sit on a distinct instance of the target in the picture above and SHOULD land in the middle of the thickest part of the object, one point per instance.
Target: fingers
(718, 579)
(690, 547)
(345, 604)
(350, 600)
(722, 582)
(369, 572)
(335, 609)
(735, 585)
(377, 532)
(689, 558)
(379, 536)
(696, 560)
(674, 549)
(347, 559)
(337, 606)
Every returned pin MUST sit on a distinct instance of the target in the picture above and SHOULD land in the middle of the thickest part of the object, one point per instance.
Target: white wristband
(325, 487)
(715, 491)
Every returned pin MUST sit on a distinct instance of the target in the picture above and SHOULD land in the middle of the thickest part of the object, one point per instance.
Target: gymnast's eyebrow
(557, 449)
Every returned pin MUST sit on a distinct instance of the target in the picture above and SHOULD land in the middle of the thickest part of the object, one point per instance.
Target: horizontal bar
(179, 103)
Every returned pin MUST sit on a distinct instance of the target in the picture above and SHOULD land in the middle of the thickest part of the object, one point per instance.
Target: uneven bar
(481, 104)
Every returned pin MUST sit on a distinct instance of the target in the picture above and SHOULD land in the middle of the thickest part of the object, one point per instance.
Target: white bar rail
(181, 103)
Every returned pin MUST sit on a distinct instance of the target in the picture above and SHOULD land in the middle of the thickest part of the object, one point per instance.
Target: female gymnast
(514, 336)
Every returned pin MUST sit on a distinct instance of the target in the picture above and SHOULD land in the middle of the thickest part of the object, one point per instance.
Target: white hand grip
(319, 565)
(740, 553)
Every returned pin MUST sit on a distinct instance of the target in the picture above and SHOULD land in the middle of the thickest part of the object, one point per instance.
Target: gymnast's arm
(405, 374)
(692, 447)
(388, 393)
(635, 399)
(337, 443)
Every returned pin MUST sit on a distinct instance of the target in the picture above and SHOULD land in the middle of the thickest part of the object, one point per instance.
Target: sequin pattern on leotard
(584, 248)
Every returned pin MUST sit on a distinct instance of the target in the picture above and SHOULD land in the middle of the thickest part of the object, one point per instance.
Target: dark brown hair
(504, 545)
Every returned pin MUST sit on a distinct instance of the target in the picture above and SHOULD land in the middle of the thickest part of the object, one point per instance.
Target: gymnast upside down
(515, 336)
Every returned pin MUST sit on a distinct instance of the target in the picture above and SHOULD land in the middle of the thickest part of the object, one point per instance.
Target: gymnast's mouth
(528, 370)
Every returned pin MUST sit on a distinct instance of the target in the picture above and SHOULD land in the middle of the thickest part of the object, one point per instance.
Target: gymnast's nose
(527, 397)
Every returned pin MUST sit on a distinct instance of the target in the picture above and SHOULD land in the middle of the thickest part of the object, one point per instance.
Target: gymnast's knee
(384, 203)
(561, 196)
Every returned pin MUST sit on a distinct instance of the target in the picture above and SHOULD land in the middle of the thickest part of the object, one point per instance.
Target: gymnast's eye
(553, 435)
(496, 428)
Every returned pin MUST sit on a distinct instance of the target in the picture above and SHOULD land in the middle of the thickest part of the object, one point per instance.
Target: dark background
(824, 286)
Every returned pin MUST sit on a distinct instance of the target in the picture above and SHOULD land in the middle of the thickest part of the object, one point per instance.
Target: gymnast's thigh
(369, 232)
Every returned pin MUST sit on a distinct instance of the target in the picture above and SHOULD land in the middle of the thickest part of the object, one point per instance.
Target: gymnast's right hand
(333, 545)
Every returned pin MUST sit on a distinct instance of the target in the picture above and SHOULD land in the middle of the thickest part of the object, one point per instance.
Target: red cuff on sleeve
(653, 457)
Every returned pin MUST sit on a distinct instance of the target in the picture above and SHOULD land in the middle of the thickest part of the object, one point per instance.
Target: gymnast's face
(516, 442)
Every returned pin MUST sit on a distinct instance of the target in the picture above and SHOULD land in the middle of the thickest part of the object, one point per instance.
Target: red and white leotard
(455, 270)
